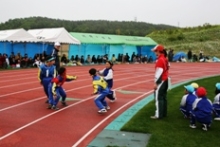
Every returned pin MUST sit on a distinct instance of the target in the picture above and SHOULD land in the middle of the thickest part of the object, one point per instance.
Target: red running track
(25, 121)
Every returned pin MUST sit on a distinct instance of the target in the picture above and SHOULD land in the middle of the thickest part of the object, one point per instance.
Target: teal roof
(91, 38)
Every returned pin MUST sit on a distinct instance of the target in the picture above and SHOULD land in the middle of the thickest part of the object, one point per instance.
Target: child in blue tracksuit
(187, 101)
(101, 89)
(46, 73)
(55, 89)
(202, 110)
(107, 74)
(216, 102)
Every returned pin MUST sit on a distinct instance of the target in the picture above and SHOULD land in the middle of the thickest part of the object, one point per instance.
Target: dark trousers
(160, 96)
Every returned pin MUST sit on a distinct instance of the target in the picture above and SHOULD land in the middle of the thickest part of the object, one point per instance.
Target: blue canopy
(179, 55)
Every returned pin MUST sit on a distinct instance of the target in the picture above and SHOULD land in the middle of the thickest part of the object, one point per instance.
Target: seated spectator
(202, 110)
(88, 60)
(37, 62)
(64, 60)
(113, 59)
(216, 102)
(187, 101)
(94, 60)
(196, 86)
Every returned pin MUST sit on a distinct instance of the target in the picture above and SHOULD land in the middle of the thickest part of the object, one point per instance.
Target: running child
(216, 102)
(101, 88)
(202, 110)
(107, 74)
(46, 73)
(187, 101)
(56, 90)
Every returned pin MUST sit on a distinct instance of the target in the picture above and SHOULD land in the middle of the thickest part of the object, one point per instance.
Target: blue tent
(179, 55)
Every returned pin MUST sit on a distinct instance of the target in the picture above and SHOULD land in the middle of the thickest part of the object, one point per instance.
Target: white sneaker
(192, 126)
(102, 111)
(204, 127)
(217, 118)
(107, 108)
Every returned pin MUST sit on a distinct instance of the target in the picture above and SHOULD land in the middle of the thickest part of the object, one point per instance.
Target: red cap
(159, 48)
(201, 91)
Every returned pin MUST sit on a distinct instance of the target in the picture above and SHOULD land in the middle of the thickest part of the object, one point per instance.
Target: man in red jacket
(160, 82)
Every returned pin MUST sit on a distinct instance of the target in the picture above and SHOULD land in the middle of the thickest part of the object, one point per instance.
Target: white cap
(56, 44)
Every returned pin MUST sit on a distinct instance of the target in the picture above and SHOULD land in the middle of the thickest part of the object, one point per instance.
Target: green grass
(174, 130)
(195, 39)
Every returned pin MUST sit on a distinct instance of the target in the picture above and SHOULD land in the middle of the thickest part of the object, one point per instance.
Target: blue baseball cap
(217, 86)
(190, 88)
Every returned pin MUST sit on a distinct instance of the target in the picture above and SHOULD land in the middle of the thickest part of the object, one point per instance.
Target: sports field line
(18, 77)
(35, 81)
(43, 97)
(113, 113)
(53, 113)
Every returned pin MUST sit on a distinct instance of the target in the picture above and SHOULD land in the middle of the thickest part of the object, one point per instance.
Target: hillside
(206, 38)
(87, 26)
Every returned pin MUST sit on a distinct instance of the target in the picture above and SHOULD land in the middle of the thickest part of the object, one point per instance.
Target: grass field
(174, 130)
(206, 39)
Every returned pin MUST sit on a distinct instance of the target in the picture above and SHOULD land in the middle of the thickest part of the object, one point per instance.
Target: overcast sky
(172, 12)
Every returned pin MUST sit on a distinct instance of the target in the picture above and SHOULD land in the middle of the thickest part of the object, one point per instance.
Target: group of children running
(198, 108)
(52, 82)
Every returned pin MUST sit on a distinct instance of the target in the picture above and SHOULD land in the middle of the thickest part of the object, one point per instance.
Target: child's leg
(56, 99)
(63, 95)
(185, 113)
(216, 111)
(50, 94)
(98, 101)
(111, 96)
(192, 121)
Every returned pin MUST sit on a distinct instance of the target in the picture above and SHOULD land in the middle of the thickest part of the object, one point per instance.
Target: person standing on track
(107, 74)
(55, 55)
(46, 73)
(55, 89)
(160, 83)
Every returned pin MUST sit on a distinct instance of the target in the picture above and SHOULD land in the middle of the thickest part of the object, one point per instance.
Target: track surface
(25, 121)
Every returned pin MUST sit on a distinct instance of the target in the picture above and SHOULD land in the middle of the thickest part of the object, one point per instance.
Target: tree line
(130, 28)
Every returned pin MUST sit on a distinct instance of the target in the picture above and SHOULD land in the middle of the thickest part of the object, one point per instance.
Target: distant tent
(17, 35)
(52, 35)
(17, 40)
(178, 55)
(101, 44)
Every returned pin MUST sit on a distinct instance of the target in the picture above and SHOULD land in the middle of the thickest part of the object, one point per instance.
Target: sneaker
(102, 111)
(64, 104)
(55, 107)
(154, 117)
(192, 126)
(205, 127)
(217, 118)
(107, 108)
(49, 106)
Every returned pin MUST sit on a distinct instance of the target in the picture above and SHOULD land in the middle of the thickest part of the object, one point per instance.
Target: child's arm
(55, 81)
(109, 75)
(100, 72)
(95, 87)
(195, 103)
(39, 75)
(183, 101)
(216, 100)
(70, 78)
